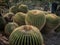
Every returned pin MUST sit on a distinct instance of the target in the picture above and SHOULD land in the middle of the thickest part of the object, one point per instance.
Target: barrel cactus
(26, 35)
(19, 18)
(8, 17)
(23, 8)
(10, 27)
(13, 9)
(52, 22)
(36, 18)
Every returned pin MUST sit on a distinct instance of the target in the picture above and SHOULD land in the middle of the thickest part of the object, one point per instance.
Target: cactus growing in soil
(10, 27)
(36, 18)
(8, 17)
(23, 8)
(26, 35)
(52, 22)
(19, 18)
(13, 9)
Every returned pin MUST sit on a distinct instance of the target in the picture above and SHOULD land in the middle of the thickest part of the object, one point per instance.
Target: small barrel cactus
(23, 8)
(13, 9)
(19, 18)
(8, 17)
(10, 27)
(2, 23)
(36, 18)
(52, 22)
(26, 35)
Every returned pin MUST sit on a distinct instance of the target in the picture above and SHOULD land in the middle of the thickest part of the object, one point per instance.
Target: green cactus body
(8, 17)
(13, 9)
(23, 8)
(26, 35)
(19, 18)
(52, 22)
(2, 23)
(36, 18)
(10, 27)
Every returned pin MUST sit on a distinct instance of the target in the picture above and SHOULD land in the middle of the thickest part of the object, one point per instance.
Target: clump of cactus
(19, 18)
(52, 22)
(8, 17)
(36, 18)
(10, 27)
(13, 9)
(23, 8)
(26, 35)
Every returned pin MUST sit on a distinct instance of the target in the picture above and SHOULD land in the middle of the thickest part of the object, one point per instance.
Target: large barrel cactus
(23, 8)
(10, 27)
(36, 18)
(19, 18)
(8, 17)
(26, 35)
(52, 22)
(13, 9)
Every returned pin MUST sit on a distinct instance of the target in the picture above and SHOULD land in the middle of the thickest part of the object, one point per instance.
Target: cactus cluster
(10, 27)
(31, 23)
(19, 8)
(36, 18)
(26, 35)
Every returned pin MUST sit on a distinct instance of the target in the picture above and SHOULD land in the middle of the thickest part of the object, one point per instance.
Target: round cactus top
(27, 29)
(35, 12)
(53, 16)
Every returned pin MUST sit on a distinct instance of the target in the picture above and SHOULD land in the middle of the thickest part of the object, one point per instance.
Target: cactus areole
(26, 35)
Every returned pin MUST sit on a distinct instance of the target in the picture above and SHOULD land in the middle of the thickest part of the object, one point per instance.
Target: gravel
(52, 38)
